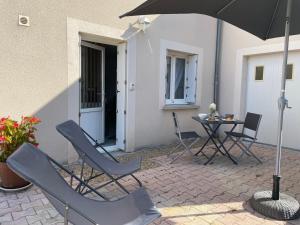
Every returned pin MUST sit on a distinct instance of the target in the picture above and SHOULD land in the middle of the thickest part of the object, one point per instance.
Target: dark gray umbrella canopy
(263, 18)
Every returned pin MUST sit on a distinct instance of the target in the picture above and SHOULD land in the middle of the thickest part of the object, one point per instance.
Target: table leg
(201, 149)
(221, 145)
(211, 158)
(211, 133)
(209, 138)
(228, 154)
(232, 129)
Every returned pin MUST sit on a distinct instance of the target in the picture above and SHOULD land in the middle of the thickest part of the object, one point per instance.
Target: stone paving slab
(186, 192)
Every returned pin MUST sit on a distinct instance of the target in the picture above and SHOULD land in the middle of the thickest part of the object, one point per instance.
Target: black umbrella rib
(226, 6)
(272, 20)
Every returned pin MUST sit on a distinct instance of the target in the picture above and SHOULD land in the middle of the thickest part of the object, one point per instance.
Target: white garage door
(263, 89)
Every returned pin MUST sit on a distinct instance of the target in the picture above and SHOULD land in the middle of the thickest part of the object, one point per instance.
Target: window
(168, 77)
(259, 73)
(289, 71)
(181, 78)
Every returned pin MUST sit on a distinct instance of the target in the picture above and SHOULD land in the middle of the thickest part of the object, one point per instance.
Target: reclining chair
(37, 167)
(89, 154)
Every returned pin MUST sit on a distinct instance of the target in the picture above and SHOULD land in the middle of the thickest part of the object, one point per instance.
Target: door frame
(78, 30)
(241, 70)
(102, 49)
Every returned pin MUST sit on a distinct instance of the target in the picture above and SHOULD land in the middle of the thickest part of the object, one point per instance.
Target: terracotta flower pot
(10, 179)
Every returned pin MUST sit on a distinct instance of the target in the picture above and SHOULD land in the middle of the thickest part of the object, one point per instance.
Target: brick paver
(186, 192)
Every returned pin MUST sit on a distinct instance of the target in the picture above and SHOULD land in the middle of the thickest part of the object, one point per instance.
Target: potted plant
(12, 135)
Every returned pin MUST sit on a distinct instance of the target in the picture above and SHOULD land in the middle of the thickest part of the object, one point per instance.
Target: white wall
(234, 42)
(153, 125)
(34, 60)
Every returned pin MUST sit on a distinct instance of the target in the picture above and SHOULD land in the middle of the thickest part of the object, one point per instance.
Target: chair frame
(82, 182)
(178, 133)
(81, 187)
(66, 206)
(239, 140)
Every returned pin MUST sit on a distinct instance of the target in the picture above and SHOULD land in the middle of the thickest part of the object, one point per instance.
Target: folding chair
(252, 122)
(182, 137)
(37, 167)
(90, 156)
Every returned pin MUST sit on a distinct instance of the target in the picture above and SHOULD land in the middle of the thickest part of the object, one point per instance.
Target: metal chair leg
(66, 222)
(249, 151)
(78, 188)
(193, 143)
(243, 149)
(182, 153)
(233, 144)
(236, 142)
(173, 150)
(88, 180)
(121, 186)
(178, 156)
(137, 180)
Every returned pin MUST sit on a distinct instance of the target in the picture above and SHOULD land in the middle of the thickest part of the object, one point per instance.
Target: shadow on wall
(51, 114)
(46, 97)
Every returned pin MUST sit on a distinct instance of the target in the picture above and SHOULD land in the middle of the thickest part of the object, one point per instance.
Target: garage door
(263, 89)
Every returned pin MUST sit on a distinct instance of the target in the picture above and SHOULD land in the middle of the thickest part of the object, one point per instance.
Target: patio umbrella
(265, 19)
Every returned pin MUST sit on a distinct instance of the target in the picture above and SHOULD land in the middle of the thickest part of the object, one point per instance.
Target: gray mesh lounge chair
(97, 161)
(182, 137)
(252, 122)
(36, 167)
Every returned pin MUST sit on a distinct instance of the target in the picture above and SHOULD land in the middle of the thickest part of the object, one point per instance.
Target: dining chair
(183, 137)
(252, 122)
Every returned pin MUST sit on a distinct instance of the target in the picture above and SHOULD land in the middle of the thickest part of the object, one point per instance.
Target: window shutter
(191, 79)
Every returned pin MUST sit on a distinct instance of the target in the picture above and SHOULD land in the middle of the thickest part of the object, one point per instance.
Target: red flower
(35, 120)
(16, 125)
(3, 119)
(2, 127)
(25, 118)
(2, 139)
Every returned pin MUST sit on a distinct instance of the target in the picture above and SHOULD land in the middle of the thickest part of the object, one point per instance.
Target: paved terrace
(186, 192)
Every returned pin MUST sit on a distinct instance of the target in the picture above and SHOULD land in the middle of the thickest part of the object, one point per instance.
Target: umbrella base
(286, 208)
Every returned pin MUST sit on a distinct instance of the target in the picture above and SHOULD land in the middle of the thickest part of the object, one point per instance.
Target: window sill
(173, 107)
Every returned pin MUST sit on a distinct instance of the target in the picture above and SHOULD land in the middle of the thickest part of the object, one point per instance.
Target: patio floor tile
(186, 192)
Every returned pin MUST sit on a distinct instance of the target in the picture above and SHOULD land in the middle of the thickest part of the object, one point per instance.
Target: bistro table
(211, 127)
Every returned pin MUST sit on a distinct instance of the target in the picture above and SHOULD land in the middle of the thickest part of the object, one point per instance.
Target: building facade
(77, 60)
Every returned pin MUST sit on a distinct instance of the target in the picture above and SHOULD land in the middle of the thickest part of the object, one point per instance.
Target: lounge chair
(89, 154)
(37, 167)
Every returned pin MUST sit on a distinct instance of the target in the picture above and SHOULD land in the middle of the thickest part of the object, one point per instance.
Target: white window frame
(174, 56)
(166, 45)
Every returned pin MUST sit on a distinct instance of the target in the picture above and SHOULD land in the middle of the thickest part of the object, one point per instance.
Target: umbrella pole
(274, 204)
(282, 104)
